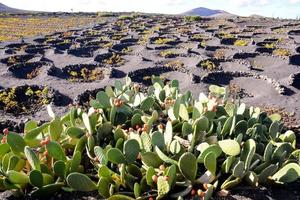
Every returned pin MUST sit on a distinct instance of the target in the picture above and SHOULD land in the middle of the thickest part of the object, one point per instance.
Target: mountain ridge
(6, 9)
(206, 12)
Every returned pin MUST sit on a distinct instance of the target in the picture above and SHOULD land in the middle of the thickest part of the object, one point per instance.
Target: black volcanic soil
(258, 57)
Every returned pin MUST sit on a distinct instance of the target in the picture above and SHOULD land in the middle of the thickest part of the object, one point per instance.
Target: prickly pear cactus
(156, 145)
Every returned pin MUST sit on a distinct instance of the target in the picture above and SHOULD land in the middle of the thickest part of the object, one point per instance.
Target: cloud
(243, 3)
(294, 1)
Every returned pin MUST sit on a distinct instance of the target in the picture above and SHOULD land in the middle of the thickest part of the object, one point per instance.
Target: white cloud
(242, 3)
(294, 1)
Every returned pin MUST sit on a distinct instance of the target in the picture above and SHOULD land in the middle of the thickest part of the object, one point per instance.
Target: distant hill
(206, 12)
(6, 9)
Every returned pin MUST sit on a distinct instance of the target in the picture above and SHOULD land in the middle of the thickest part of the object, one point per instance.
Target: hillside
(206, 12)
(4, 8)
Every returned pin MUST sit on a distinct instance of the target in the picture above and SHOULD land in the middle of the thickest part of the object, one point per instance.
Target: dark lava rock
(83, 51)
(295, 59)
(17, 127)
(35, 49)
(298, 49)
(294, 80)
(294, 32)
(264, 50)
(27, 70)
(17, 59)
(244, 55)
(228, 41)
(85, 98)
(212, 48)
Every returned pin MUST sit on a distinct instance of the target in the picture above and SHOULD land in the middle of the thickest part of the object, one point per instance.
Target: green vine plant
(156, 145)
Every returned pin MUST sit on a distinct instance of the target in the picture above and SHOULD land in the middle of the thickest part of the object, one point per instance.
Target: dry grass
(14, 28)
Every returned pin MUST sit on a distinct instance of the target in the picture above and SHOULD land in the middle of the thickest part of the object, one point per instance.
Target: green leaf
(267, 172)
(201, 124)
(100, 154)
(60, 168)
(55, 129)
(137, 190)
(16, 142)
(227, 126)
(212, 148)
(76, 160)
(86, 121)
(151, 159)
(81, 182)
(32, 158)
(103, 100)
(175, 147)
(230, 147)
(163, 187)
(146, 142)
(163, 157)
(32, 134)
(210, 162)
(56, 151)
(147, 104)
(75, 132)
(248, 152)
(288, 173)
(274, 130)
(168, 135)
(158, 140)
(120, 197)
(115, 156)
(188, 166)
(275, 117)
(30, 125)
(103, 187)
(150, 172)
(183, 112)
(186, 129)
(4, 149)
(238, 170)
(17, 177)
(36, 178)
(131, 150)
(47, 190)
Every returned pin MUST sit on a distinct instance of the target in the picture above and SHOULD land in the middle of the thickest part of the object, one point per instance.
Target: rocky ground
(258, 58)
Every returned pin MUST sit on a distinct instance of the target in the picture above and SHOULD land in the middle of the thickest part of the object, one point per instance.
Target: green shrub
(241, 43)
(161, 145)
(193, 18)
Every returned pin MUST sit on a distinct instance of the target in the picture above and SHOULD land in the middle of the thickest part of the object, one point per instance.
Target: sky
(269, 8)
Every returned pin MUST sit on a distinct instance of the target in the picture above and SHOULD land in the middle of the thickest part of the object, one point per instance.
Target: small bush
(241, 43)
(193, 18)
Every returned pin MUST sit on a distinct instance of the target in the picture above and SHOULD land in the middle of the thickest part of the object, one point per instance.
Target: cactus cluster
(163, 144)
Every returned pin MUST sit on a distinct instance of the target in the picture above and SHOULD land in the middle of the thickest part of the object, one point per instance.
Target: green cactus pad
(32, 158)
(103, 186)
(188, 166)
(115, 156)
(56, 151)
(16, 142)
(287, 174)
(36, 178)
(120, 197)
(131, 150)
(163, 187)
(151, 159)
(230, 147)
(81, 182)
(60, 169)
(17, 177)
(210, 162)
(101, 156)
